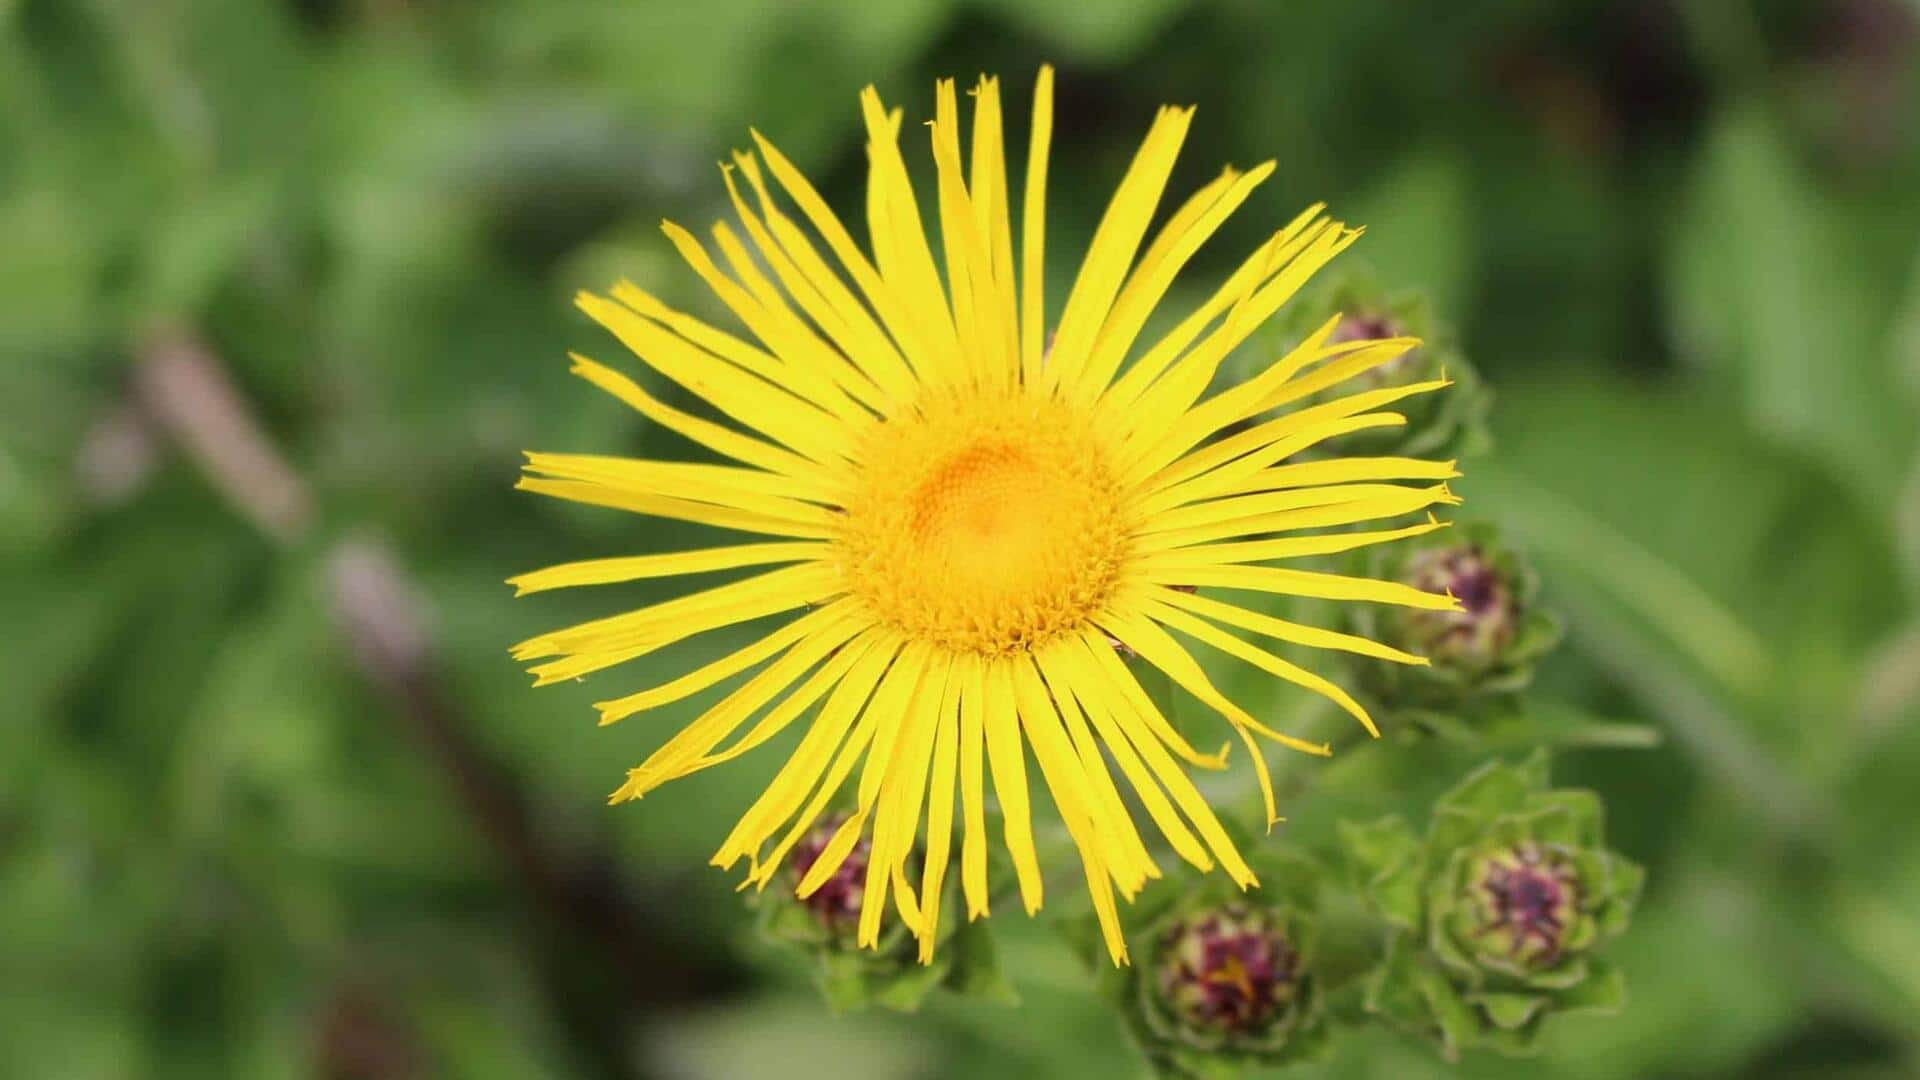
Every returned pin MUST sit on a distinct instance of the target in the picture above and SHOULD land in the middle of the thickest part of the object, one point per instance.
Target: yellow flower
(967, 520)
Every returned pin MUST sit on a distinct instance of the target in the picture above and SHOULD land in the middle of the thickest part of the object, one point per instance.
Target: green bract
(1223, 981)
(1450, 423)
(1498, 912)
(1488, 647)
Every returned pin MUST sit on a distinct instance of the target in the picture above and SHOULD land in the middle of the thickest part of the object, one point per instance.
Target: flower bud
(1376, 324)
(1473, 637)
(1489, 645)
(1500, 909)
(1227, 971)
(1226, 981)
(1448, 422)
(835, 905)
(893, 973)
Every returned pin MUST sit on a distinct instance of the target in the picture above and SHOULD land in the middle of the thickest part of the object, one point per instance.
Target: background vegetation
(284, 290)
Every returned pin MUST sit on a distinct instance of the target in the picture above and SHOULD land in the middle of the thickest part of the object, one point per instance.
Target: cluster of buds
(1488, 646)
(1498, 911)
(1229, 982)
(1451, 423)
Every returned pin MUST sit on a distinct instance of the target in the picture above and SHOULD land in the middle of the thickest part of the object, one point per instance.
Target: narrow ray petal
(720, 440)
(703, 513)
(670, 564)
(1009, 765)
(1115, 241)
(1033, 231)
(1065, 669)
(793, 422)
(1136, 719)
(1292, 547)
(1201, 630)
(804, 768)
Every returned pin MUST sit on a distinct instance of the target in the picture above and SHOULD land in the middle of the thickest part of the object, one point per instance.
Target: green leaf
(1377, 847)
(1769, 290)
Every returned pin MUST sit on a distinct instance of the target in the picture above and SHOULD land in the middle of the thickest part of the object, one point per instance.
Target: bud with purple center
(1487, 645)
(1447, 422)
(1376, 324)
(893, 973)
(1472, 637)
(1228, 970)
(1520, 905)
(1228, 980)
(835, 905)
(1500, 909)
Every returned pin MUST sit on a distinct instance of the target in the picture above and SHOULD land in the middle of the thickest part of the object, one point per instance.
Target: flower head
(954, 522)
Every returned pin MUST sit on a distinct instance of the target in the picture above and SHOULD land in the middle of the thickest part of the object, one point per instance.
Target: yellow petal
(1065, 669)
(714, 437)
(1280, 629)
(1033, 232)
(1115, 241)
(819, 631)
(670, 564)
(973, 857)
(1201, 630)
(1008, 763)
(1134, 719)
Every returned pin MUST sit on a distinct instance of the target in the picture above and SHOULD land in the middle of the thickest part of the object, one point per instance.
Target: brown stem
(187, 392)
(608, 952)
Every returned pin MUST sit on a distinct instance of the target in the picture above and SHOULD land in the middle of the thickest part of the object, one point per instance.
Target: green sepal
(843, 982)
(1604, 991)
(1384, 856)
(1510, 1010)
(1377, 847)
(975, 959)
(1496, 787)
(903, 989)
(1453, 1020)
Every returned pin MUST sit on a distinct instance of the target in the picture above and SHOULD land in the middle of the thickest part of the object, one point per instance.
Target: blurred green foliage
(1680, 239)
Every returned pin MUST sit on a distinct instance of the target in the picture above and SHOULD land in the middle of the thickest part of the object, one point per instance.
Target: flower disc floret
(985, 523)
